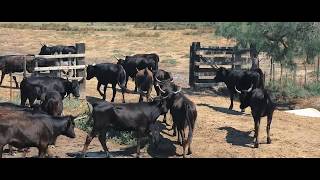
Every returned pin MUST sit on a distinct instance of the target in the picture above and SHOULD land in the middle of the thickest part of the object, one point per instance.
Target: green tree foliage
(282, 41)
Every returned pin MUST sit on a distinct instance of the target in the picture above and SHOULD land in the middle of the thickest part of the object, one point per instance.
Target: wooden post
(60, 63)
(36, 65)
(273, 72)
(10, 87)
(80, 47)
(24, 67)
(193, 57)
(318, 70)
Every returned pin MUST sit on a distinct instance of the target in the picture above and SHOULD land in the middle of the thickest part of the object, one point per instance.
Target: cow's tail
(122, 79)
(157, 62)
(261, 78)
(191, 115)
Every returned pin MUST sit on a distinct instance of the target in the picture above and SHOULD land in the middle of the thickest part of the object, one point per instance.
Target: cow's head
(161, 102)
(244, 96)
(44, 50)
(75, 88)
(69, 127)
(91, 71)
(169, 90)
(221, 74)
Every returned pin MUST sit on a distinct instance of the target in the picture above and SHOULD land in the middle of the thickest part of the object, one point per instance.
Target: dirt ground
(219, 132)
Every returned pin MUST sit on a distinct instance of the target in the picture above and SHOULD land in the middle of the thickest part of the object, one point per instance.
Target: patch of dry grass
(142, 34)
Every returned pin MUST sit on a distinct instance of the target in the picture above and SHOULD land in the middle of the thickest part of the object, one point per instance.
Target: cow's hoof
(256, 145)
(242, 110)
(268, 141)
(174, 134)
(230, 108)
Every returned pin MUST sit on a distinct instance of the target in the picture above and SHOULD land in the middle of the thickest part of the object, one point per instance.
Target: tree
(282, 41)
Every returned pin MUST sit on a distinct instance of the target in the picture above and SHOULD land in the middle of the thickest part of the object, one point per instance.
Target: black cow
(33, 87)
(261, 105)
(160, 77)
(240, 78)
(15, 63)
(144, 82)
(23, 128)
(132, 64)
(136, 117)
(183, 112)
(108, 73)
(52, 103)
(60, 49)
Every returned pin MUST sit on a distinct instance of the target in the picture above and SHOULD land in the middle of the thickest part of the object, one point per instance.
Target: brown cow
(23, 128)
(144, 82)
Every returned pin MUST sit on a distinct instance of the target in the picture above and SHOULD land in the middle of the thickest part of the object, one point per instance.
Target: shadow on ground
(222, 109)
(237, 137)
(165, 149)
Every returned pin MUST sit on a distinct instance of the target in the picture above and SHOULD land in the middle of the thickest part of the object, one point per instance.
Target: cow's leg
(102, 139)
(174, 129)
(88, 141)
(140, 98)
(23, 99)
(31, 100)
(42, 150)
(256, 130)
(138, 144)
(2, 76)
(98, 89)
(114, 92)
(188, 142)
(15, 80)
(165, 119)
(104, 91)
(1, 150)
(269, 120)
(123, 91)
(11, 150)
(231, 98)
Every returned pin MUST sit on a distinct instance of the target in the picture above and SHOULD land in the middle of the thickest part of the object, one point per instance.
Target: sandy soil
(218, 132)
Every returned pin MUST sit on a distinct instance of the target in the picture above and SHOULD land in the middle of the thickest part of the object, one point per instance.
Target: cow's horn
(160, 89)
(177, 91)
(250, 89)
(157, 80)
(235, 87)
(137, 69)
(116, 57)
(93, 64)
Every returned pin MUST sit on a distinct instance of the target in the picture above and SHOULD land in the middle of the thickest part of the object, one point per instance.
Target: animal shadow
(221, 109)
(237, 137)
(165, 147)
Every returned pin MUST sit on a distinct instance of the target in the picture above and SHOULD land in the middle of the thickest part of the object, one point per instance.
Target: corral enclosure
(218, 133)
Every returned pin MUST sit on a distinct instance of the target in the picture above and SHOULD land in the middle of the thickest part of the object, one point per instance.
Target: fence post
(193, 49)
(24, 67)
(318, 70)
(80, 47)
(10, 87)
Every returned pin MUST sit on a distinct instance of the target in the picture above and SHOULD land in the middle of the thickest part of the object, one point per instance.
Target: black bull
(132, 64)
(243, 79)
(108, 73)
(261, 105)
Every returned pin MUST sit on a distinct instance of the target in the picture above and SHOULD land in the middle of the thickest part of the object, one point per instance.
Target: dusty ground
(218, 132)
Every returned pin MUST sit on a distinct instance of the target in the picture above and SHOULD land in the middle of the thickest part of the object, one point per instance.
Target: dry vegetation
(218, 132)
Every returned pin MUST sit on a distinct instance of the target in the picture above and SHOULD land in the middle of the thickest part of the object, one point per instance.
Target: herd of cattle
(40, 124)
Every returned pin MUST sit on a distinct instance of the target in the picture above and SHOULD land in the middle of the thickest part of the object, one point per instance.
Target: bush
(142, 34)
(289, 90)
